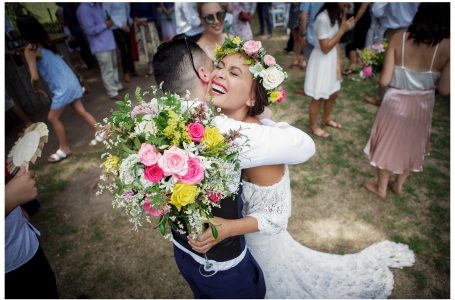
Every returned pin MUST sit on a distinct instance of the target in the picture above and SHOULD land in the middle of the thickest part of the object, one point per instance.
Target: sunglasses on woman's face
(210, 19)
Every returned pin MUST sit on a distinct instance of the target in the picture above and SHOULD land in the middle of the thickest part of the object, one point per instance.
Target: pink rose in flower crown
(148, 154)
(367, 71)
(152, 211)
(283, 95)
(153, 173)
(269, 60)
(196, 131)
(252, 46)
(214, 197)
(195, 172)
(174, 161)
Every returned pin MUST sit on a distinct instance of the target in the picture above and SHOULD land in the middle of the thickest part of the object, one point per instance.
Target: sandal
(98, 139)
(295, 64)
(320, 132)
(57, 156)
(332, 123)
(347, 72)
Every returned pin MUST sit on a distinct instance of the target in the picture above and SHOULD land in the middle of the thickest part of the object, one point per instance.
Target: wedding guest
(417, 62)
(188, 21)
(70, 42)
(43, 60)
(28, 274)
(242, 13)
(396, 17)
(123, 25)
(309, 12)
(212, 17)
(168, 24)
(228, 270)
(290, 269)
(147, 38)
(264, 16)
(98, 30)
(294, 25)
(376, 31)
(79, 42)
(322, 80)
(362, 24)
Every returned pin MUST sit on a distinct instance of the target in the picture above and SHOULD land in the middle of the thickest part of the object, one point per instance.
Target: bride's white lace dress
(292, 270)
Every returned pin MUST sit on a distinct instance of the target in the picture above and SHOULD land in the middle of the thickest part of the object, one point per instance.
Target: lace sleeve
(272, 223)
(270, 206)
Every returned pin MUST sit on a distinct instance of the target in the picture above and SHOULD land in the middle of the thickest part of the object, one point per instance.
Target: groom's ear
(203, 74)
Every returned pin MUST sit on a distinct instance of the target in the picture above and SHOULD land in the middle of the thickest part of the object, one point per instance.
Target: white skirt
(321, 77)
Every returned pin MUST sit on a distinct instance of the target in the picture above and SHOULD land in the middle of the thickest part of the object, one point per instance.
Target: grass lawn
(94, 252)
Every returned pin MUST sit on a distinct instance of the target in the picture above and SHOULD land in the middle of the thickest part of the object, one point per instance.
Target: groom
(228, 270)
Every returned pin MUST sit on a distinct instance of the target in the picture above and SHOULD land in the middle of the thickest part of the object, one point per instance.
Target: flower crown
(262, 65)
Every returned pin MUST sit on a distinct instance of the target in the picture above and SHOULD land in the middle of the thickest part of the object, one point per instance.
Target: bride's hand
(206, 241)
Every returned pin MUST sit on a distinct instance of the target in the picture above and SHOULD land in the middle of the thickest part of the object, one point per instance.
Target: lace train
(292, 270)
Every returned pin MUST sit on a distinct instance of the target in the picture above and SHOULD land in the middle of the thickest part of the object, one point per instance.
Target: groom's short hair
(172, 65)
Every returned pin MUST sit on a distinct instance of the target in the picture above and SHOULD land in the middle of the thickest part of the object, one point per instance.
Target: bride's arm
(276, 143)
(226, 228)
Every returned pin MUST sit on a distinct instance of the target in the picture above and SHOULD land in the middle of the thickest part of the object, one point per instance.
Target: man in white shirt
(227, 270)
(187, 20)
(396, 16)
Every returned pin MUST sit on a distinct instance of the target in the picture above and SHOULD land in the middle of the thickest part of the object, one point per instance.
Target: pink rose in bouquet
(214, 197)
(148, 154)
(174, 161)
(195, 172)
(152, 211)
(196, 131)
(153, 173)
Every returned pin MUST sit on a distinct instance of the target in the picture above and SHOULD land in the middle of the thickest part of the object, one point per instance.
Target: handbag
(245, 16)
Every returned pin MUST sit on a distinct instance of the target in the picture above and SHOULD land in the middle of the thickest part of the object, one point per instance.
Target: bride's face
(231, 84)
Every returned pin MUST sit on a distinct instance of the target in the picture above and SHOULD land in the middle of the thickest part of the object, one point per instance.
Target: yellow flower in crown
(111, 164)
(236, 40)
(183, 194)
(212, 138)
(274, 96)
(218, 50)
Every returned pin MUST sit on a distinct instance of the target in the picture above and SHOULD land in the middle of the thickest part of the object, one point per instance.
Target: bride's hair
(261, 99)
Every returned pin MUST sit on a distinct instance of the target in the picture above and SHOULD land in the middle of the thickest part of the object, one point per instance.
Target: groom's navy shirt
(229, 248)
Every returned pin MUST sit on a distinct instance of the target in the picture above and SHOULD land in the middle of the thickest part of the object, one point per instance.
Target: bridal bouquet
(166, 161)
(373, 58)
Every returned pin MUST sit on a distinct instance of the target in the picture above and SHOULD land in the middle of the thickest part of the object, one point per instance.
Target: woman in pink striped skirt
(417, 62)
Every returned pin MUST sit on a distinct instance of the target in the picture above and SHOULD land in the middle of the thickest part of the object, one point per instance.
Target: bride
(246, 80)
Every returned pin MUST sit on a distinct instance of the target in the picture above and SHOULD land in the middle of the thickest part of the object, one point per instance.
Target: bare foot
(394, 187)
(332, 123)
(373, 187)
(319, 132)
(372, 100)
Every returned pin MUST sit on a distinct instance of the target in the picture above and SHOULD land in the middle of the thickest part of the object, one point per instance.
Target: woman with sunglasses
(212, 17)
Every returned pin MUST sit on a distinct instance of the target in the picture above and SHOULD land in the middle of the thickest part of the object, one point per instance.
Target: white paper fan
(28, 147)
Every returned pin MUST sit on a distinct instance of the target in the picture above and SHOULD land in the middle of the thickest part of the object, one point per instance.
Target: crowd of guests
(417, 63)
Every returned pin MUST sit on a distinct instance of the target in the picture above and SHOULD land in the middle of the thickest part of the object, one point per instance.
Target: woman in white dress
(322, 79)
(290, 269)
